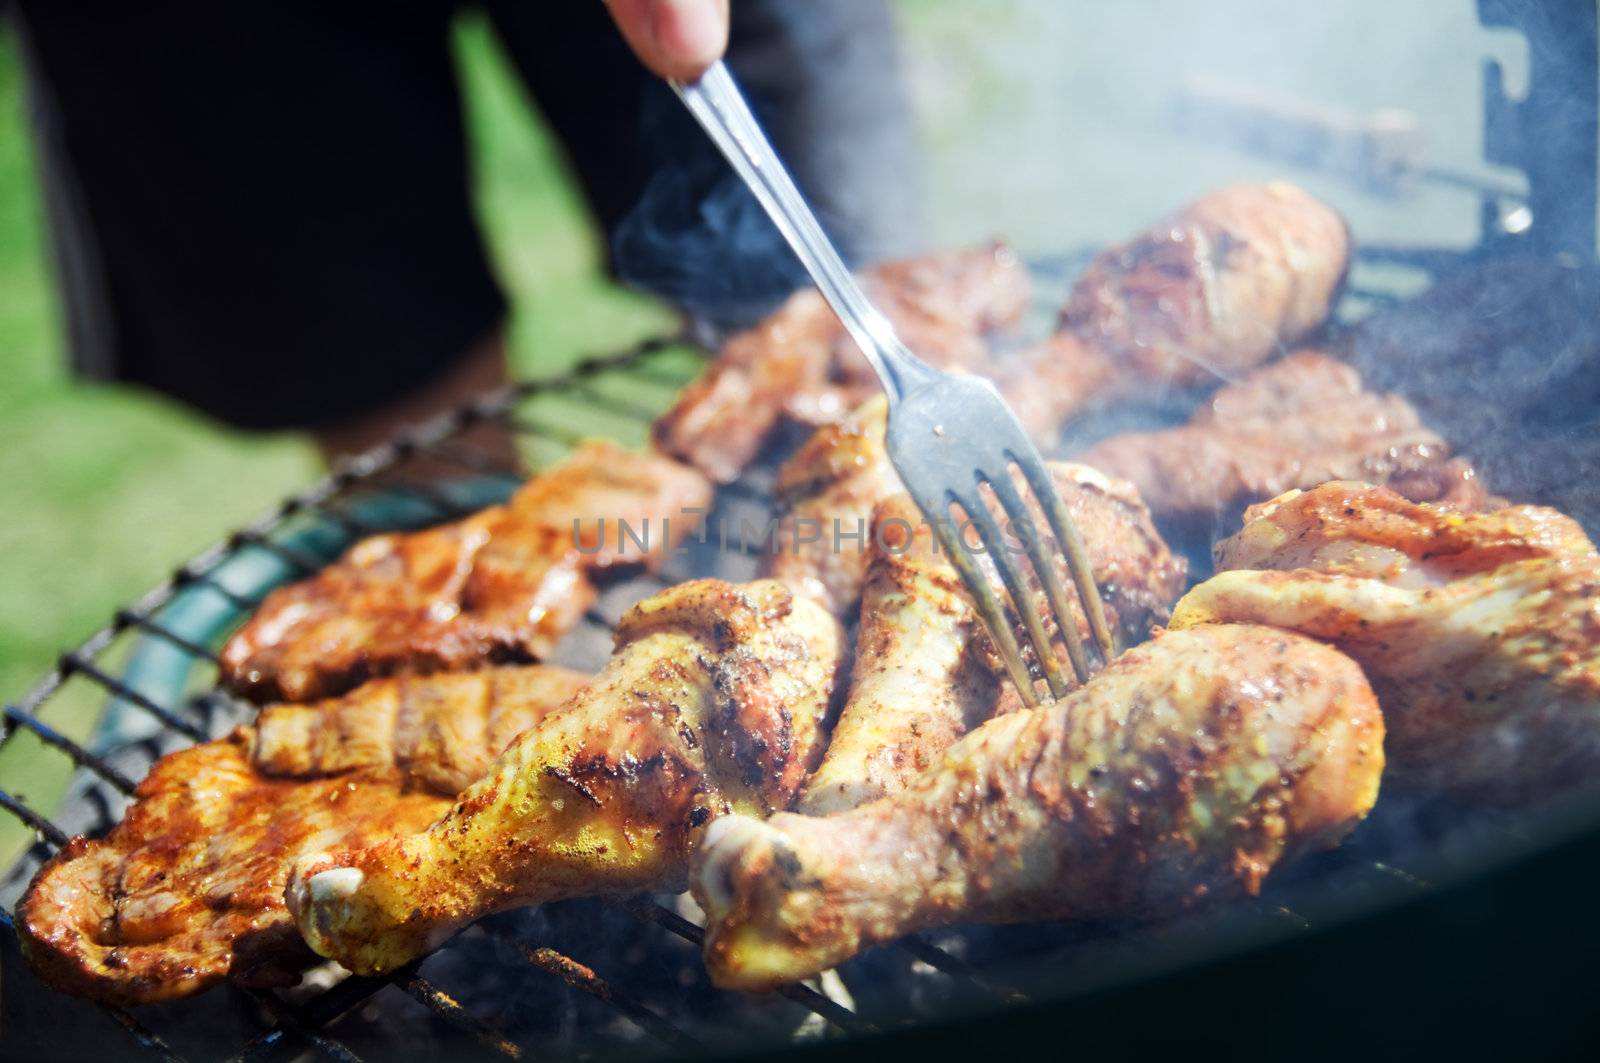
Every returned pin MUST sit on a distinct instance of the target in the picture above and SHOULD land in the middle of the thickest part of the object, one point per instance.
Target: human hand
(676, 39)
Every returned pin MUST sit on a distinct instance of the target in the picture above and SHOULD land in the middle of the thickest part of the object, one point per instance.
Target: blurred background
(1037, 120)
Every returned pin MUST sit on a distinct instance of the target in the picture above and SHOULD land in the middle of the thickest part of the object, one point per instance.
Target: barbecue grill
(1429, 917)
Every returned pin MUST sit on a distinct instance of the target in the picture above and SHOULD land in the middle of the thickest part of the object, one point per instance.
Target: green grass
(106, 489)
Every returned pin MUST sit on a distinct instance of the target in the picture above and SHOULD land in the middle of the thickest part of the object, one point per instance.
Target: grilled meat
(501, 585)
(1212, 292)
(188, 889)
(800, 362)
(1294, 423)
(828, 488)
(1187, 769)
(713, 702)
(1216, 289)
(440, 732)
(925, 672)
(1480, 632)
(1136, 574)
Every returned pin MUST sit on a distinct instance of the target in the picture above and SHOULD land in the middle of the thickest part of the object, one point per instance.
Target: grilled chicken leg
(1216, 289)
(1481, 632)
(825, 493)
(713, 703)
(925, 672)
(1211, 292)
(188, 889)
(1189, 768)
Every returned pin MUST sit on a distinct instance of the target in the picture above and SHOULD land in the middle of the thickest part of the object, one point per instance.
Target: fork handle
(715, 101)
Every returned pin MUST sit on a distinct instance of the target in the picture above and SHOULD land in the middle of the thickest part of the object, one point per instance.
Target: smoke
(699, 239)
(1050, 121)
(1503, 359)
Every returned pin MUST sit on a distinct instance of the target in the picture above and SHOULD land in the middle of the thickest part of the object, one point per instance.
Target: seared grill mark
(557, 772)
(188, 889)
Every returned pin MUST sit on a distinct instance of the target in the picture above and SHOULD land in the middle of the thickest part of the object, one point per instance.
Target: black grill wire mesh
(293, 1026)
(549, 417)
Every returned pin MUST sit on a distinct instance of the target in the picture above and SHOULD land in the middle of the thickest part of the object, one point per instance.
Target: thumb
(676, 39)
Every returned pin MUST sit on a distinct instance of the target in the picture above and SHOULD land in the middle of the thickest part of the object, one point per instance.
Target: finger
(676, 39)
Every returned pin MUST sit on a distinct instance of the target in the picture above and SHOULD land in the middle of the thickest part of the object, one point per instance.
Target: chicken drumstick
(712, 703)
(1189, 768)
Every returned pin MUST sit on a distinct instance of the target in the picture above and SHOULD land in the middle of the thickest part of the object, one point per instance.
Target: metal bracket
(1552, 135)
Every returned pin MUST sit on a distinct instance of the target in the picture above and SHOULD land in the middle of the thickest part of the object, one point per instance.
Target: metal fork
(949, 436)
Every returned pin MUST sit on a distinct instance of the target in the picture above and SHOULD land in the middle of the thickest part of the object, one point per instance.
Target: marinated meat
(441, 732)
(1137, 575)
(1186, 770)
(800, 362)
(188, 889)
(1480, 632)
(1230, 280)
(925, 672)
(1225, 284)
(1215, 290)
(1295, 423)
(825, 495)
(502, 585)
(713, 702)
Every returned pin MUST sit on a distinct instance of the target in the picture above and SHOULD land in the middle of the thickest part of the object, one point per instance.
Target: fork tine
(1044, 563)
(988, 603)
(1021, 597)
(1071, 544)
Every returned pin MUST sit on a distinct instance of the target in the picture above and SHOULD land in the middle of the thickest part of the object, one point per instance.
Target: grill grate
(296, 1027)
(311, 528)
